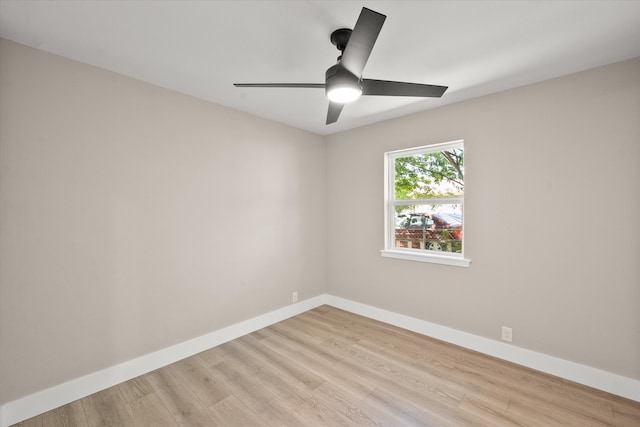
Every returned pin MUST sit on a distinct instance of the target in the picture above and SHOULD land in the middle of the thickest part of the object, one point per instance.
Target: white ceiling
(201, 48)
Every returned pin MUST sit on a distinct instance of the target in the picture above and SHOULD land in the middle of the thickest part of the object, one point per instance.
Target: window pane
(425, 197)
(430, 175)
(429, 227)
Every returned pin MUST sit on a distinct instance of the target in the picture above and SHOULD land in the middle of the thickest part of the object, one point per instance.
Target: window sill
(423, 257)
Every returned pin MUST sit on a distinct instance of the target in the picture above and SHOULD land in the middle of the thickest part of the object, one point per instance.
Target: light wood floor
(329, 367)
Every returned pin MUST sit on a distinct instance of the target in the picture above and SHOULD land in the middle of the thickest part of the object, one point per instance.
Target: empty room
(318, 213)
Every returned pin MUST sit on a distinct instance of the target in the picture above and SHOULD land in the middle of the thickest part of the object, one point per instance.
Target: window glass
(429, 175)
(425, 199)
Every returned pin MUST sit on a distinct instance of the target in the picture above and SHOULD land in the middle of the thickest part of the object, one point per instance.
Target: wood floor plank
(626, 413)
(295, 372)
(427, 364)
(71, 415)
(256, 396)
(180, 401)
(320, 329)
(408, 413)
(327, 369)
(330, 367)
(317, 413)
(544, 414)
(302, 337)
(195, 375)
(387, 371)
(134, 389)
(106, 408)
(233, 412)
(212, 356)
(531, 386)
(407, 392)
(288, 391)
(149, 410)
(488, 413)
(358, 411)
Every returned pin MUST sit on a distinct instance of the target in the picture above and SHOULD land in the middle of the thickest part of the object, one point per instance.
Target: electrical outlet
(294, 296)
(507, 334)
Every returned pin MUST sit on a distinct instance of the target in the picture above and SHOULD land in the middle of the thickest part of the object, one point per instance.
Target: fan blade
(361, 41)
(334, 112)
(291, 85)
(389, 88)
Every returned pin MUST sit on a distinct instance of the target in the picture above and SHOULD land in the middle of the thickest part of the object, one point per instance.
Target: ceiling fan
(344, 82)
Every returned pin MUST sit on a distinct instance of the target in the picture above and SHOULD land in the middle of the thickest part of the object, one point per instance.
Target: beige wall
(134, 218)
(552, 207)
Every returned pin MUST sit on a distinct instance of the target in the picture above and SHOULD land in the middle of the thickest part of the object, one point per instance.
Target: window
(424, 204)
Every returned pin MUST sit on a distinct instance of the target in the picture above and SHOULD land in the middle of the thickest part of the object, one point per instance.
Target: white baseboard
(586, 375)
(46, 400)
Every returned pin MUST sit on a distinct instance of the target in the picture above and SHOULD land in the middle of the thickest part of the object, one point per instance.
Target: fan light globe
(344, 94)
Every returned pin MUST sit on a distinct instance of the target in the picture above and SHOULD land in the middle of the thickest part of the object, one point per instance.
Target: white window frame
(390, 251)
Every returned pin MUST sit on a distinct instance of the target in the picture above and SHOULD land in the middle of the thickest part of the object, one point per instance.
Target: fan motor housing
(336, 77)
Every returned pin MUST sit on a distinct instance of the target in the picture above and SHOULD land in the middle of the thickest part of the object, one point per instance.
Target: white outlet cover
(507, 334)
